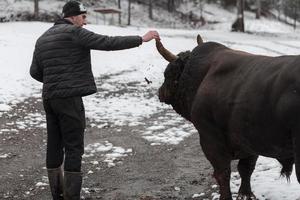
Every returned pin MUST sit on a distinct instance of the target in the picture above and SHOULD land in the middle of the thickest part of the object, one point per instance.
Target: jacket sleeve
(95, 41)
(36, 71)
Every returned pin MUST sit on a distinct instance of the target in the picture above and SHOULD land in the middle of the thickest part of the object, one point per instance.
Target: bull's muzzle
(164, 95)
(161, 95)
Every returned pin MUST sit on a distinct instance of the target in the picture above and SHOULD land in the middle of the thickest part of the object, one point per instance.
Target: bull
(243, 105)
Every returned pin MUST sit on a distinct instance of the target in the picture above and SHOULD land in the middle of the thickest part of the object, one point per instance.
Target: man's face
(79, 20)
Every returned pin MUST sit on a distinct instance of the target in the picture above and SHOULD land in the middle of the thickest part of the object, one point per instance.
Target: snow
(4, 155)
(112, 153)
(132, 66)
(41, 184)
(198, 195)
(267, 183)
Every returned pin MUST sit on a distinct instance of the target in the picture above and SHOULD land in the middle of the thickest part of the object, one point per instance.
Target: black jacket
(62, 60)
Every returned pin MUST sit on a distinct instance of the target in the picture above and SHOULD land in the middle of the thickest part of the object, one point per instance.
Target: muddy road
(141, 170)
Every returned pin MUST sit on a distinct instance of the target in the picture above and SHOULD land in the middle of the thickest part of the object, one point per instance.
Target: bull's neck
(183, 108)
(189, 83)
(196, 68)
(184, 98)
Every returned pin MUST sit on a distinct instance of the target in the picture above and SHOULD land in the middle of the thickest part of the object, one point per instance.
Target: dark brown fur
(242, 105)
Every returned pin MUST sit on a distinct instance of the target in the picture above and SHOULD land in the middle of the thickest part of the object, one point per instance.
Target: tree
(119, 6)
(199, 4)
(238, 25)
(171, 5)
(150, 9)
(294, 5)
(227, 3)
(290, 10)
(258, 9)
(279, 7)
(36, 9)
(129, 12)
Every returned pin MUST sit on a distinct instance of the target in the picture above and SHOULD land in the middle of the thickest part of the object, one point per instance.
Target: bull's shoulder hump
(207, 49)
(211, 46)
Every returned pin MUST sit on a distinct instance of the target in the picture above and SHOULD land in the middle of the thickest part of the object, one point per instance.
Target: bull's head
(173, 72)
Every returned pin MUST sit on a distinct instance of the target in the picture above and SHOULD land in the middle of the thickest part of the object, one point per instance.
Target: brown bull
(243, 105)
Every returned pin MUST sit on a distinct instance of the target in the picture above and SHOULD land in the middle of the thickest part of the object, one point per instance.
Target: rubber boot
(55, 177)
(72, 185)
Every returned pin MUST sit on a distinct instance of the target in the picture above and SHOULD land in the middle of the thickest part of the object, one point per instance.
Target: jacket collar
(63, 21)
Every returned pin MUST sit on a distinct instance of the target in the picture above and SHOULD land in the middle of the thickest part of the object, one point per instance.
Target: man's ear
(72, 18)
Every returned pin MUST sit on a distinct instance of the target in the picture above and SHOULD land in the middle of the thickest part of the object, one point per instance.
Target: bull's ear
(199, 40)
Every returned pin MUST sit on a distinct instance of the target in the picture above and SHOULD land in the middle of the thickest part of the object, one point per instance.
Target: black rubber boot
(72, 185)
(55, 177)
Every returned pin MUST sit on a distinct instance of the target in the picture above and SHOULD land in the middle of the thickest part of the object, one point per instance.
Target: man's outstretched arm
(95, 41)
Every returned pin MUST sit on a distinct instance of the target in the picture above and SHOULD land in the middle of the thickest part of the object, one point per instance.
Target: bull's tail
(296, 149)
(287, 167)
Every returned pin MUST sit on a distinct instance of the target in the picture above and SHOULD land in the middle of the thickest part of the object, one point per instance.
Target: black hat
(73, 8)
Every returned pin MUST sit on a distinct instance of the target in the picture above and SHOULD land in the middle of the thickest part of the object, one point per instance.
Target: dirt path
(151, 172)
(148, 172)
(143, 171)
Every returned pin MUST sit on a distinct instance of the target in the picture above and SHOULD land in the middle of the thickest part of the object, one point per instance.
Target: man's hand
(151, 35)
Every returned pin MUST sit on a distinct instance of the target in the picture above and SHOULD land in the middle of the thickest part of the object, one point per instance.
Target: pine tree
(36, 9)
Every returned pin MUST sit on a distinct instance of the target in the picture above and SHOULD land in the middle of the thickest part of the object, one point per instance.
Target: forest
(286, 11)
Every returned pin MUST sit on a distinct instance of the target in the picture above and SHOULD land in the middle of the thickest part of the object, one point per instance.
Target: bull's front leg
(217, 151)
(223, 179)
(245, 168)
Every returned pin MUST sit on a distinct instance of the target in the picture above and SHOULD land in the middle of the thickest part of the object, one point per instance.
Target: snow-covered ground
(16, 47)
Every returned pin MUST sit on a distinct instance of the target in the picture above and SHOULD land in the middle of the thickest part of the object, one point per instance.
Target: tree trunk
(201, 5)
(150, 9)
(295, 14)
(171, 5)
(238, 25)
(119, 6)
(36, 9)
(129, 12)
(279, 8)
(228, 3)
(258, 9)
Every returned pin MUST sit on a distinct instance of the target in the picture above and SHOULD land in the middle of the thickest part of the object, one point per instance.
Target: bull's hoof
(246, 197)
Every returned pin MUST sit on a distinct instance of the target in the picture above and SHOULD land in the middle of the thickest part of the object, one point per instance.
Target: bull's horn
(199, 40)
(164, 52)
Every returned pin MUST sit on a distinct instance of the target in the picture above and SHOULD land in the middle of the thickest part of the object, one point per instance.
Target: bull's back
(243, 96)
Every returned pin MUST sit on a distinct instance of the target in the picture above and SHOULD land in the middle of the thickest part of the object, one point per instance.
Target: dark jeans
(65, 130)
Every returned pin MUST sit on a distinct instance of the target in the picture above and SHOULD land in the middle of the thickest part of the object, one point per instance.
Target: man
(61, 61)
